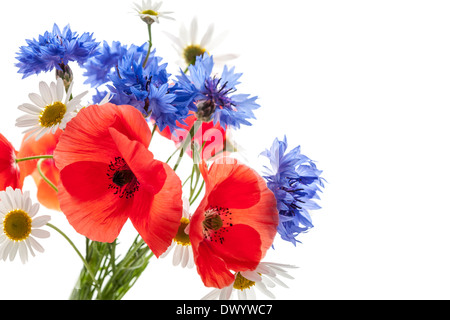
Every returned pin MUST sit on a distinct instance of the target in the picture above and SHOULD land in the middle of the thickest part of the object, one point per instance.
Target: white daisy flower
(181, 243)
(265, 276)
(149, 12)
(188, 46)
(50, 110)
(19, 225)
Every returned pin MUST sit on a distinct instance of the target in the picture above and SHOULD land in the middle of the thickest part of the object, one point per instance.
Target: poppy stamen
(216, 218)
(123, 180)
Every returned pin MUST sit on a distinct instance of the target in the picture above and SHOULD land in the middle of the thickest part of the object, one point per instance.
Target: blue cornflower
(54, 50)
(100, 67)
(146, 88)
(213, 98)
(295, 181)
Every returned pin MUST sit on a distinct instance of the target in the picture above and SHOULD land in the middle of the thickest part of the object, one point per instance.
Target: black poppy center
(122, 177)
(123, 181)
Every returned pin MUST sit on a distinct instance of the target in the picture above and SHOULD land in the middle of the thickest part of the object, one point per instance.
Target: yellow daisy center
(191, 52)
(181, 237)
(150, 12)
(17, 225)
(241, 283)
(52, 114)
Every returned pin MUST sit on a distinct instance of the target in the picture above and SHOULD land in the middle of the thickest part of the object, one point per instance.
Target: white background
(362, 86)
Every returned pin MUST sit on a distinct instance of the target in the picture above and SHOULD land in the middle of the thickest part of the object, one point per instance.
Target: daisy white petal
(194, 30)
(34, 209)
(37, 100)
(23, 252)
(189, 48)
(13, 251)
(60, 90)
(51, 110)
(183, 254)
(53, 91)
(207, 37)
(245, 283)
(18, 195)
(261, 287)
(150, 13)
(177, 255)
(217, 40)
(184, 36)
(213, 295)
(251, 275)
(40, 134)
(225, 293)
(29, 108)
(36, 245)
(269, 283)
(191, 262)
(45, 92)
(242, 294)
(69, 92)
(277, 281)
(6, 249)
(30, 248)
(39, 233)
(25, 121)
(18, 225)
(178, 44)
(251, 294)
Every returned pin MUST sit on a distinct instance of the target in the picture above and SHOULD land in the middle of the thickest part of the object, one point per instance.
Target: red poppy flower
(46, 195)
(108, 175)
(212, 137)
(9, 170)
(234, 224)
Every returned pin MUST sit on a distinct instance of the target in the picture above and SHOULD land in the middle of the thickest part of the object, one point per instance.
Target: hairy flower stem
(34, 158)
(188, 140)
(149, 44)
(39, 164)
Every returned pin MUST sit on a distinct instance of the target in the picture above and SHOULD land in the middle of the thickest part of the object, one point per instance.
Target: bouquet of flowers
(93, 161)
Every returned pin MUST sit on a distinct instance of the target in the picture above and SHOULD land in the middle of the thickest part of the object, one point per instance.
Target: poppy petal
(91, 136)
(213, 270)
(240, 247)
(235, 185)
(157, 206)
(90, 207)
(263, 216)
(249, 220)
(9, 170)
(46, 195)
(131, 126)
(211, 137)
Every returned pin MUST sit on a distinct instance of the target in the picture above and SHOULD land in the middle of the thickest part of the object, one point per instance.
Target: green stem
(43, 175)
(186, 142)
(76, 250)
(34, 158)
(153, 132)
(149, 44)
(192, 186)
(127, 271)
(167, 161)
(198, 193)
